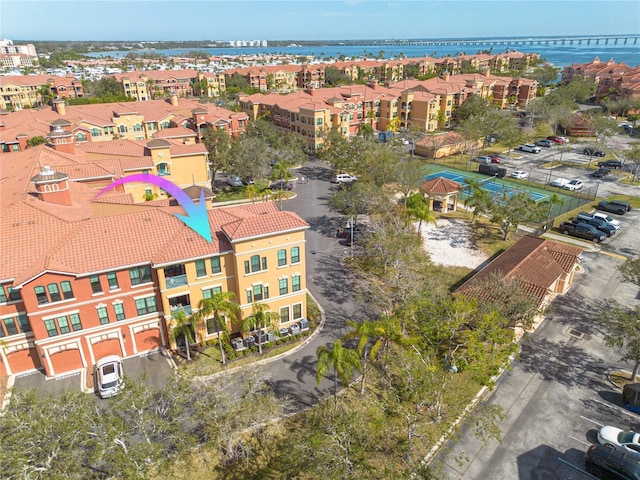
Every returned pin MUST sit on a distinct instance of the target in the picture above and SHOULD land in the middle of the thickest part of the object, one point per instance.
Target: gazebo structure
(442, 194)
(194, 193)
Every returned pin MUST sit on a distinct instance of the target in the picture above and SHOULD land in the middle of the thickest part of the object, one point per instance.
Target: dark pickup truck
(614, 206)
(582, 230)
(600, 224)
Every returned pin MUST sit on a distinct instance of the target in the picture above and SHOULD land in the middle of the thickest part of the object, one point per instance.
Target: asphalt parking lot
(571, 163)
(155, 366)
(558, 393)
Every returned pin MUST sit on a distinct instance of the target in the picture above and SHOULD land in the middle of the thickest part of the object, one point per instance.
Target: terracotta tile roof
(129, 148)
(179, 149)
(264, 224)
(535, 263)
(85, 171)
(135, 163)
(176, 132)
(440, 185)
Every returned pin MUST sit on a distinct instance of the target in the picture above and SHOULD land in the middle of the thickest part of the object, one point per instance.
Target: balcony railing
(185, 308)
(177, 281)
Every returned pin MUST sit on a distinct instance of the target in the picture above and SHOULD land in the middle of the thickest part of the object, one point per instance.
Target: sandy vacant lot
(448, 243)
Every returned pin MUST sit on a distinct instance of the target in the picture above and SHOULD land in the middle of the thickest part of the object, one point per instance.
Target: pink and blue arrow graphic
(196, 218)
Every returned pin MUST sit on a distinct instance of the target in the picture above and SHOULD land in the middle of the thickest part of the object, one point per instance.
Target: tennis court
(490, 184)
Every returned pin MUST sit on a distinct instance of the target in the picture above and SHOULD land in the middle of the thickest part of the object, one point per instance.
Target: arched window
(137, 127)
(81, 137)
(122, 129)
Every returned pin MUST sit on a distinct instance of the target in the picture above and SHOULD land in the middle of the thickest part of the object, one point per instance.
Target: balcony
(176, 281)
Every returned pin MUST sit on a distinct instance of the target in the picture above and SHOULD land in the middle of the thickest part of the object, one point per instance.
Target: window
(67, 293)
(23, 321)
(3, 295)
(282, 258)
(10, 325)
(75, 322)
(119, 311)
(163, 169)
(284, 315)
(212, 327)
(215, 265)
(113, 281)
(256, 264)
(63, 324)
(284, 286)
(41, 295)
(140, 275)
(210, 292)
(54, 292)
(50, 325)
(295, 283)
(257, 293)
(122, 129)
(103, 315)
(297, 311)
(146, 305)
(14, 295)
(201, 268)
(295, 255)
(96, 286)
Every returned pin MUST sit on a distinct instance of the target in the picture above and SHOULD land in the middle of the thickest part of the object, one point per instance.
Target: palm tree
(394, 124)
(252, 192)
(259, 319)
(183, 328)
(279, 196)
(554, 199)
(365, 131)
(342, 360)
(478, 197)
(219, 306)
(418, 208)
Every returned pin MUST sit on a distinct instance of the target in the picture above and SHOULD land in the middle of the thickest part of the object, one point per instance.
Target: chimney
(485, 71)
(446, 75)
(53, 187)
(62, 140)
(373, 84)
(596, 60)
(173, 98)
(22, 141)
(59, 106)
(311, 89)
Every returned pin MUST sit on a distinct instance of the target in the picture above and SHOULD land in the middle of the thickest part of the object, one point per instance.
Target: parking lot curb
(266, 361)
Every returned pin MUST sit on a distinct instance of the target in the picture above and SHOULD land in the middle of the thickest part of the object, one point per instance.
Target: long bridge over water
(626, 39)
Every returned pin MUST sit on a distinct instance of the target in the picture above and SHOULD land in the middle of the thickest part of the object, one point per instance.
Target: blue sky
(311, 20)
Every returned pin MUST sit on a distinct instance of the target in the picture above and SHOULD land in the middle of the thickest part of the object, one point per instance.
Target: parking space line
(579, 441)
(615, 407)
(592, 421)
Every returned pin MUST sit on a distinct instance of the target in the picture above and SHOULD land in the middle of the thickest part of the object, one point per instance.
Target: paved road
(327, 280)
(557, 394)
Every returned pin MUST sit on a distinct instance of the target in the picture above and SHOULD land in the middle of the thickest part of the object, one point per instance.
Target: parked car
(626, 441)
(610, 164)
(482, 159)
(608, 230)
(601, 172)
(544, 143)
(593, 152)
(282, 185)
(603, 460)
(574, 184)
(582, 230)
(234, 181)
(608, 219)
(109, 376)
(519, 174)
(557, 139)
(529, 147)
(345, 178)
(559, 182)
(614, 206)
(495, 159)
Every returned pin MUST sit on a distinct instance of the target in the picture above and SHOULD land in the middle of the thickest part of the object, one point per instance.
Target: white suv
(529, 147)
(345, 178)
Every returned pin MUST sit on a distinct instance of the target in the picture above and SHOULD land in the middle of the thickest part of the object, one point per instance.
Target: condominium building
(82, 278)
